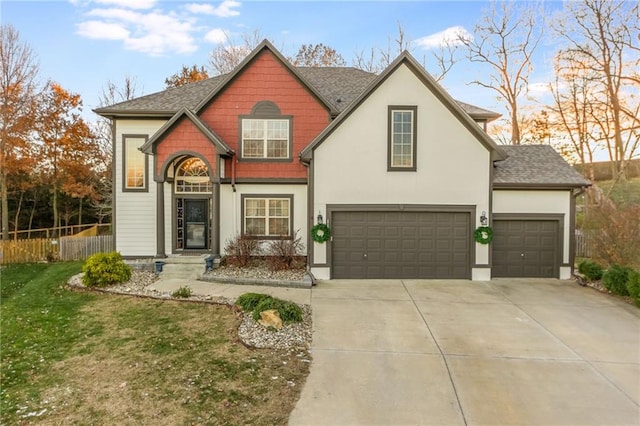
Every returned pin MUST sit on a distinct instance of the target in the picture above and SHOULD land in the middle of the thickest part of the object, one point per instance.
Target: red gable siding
(185, 136)
(266, 79)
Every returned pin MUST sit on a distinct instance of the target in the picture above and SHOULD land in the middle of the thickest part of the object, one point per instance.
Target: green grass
(624, 193)
(76, 358)
(38, 325)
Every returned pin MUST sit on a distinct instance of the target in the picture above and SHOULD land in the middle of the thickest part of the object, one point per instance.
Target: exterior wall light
(483, 218)
(319, 218)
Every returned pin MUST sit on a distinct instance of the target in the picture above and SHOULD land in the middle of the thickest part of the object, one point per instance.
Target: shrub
(283, 252)
(633, 286)
(249, 301)
(182, 292)
(103, 269)
(591, 270)
(256, 303)
(615, 279)
(617, 234)
(289, 312)
(240, 249)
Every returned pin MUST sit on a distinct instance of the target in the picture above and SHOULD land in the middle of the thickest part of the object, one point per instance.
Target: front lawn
(77, 358)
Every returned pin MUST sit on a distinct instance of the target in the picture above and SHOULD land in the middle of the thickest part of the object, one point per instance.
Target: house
(400, 172)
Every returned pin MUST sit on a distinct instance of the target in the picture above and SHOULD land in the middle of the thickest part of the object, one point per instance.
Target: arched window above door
(192, 177)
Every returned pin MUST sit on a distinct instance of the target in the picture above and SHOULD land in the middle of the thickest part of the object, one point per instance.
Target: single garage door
(400, 244)
(525, 248)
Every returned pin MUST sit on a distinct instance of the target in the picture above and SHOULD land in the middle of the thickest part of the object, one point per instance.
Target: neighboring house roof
(535, 166)
(149, 146)
(456, 108)
(336, 87)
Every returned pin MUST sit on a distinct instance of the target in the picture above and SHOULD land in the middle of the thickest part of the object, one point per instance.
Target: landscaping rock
(270, 318)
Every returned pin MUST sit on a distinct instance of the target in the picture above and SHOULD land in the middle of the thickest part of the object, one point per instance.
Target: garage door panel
(401, 245)
(525, 248)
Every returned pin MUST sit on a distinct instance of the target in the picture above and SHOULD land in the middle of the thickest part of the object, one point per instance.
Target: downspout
(309, 243)
(233, 173)
(572, 251)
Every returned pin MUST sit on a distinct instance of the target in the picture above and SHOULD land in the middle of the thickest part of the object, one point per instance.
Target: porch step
(186, 260)
(186, 271)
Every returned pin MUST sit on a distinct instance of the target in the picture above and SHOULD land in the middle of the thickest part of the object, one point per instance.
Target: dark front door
(392, 244)
(196, 224)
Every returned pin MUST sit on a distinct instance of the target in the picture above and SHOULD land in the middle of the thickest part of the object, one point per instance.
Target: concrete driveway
(509, 351)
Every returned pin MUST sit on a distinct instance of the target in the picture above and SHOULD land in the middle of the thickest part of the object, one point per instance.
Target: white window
(402, 138)
(135, 163)
(265, 138)
(193, 177)
(267, 217)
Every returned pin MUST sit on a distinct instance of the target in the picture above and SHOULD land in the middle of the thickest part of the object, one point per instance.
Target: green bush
(591, 270)
(633, 286)
(182, 292)
(256, 303)
(289, 312)
(615, 279)
(249, 301)
(103, 269)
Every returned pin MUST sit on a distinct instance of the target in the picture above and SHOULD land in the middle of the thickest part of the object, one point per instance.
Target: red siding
(185, 136)
(266, 79)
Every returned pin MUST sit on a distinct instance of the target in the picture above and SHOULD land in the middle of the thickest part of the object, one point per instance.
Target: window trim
(145, 187)
(267, 197)
(287, 159)
(414, 145)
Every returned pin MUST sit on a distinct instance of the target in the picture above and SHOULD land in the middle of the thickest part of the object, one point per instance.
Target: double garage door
(423, 244)
(401, 244)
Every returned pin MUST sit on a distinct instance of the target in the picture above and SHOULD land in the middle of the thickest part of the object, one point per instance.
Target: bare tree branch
(506, 38)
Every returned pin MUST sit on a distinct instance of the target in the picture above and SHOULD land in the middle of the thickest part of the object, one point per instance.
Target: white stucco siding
(135, 212)
(231, 207)
(350, 166)
(532, 202)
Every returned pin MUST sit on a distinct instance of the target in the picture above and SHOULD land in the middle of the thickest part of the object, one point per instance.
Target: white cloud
(152, 32)
(131, 4)
(216, 36)
(152, 27)
(102, 30)
(452, 36)
(226, 9)
(538, 89)
(117, 14)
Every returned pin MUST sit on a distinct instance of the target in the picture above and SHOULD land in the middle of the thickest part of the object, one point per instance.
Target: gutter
(233, 173)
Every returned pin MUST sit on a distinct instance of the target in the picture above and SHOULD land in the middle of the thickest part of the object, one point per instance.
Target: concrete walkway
(459, 352)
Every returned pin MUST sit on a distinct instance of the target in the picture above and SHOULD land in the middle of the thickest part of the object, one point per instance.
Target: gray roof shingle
(338, 85)
(535, 165)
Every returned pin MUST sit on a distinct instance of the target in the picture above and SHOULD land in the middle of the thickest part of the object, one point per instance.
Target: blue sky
(83, 44)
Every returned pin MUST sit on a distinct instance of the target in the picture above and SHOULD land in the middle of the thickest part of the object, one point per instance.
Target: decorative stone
(270, 318)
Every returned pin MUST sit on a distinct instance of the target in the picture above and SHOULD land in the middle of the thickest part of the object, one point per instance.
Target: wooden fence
(26, 251)
(584, 242)
(79, 248)
(43, 249)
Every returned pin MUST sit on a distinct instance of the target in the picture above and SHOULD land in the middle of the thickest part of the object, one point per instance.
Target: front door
(196, 224)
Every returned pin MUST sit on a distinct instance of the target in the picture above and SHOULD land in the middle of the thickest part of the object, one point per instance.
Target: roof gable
(453, 106)
(165, 130)
(265, 46)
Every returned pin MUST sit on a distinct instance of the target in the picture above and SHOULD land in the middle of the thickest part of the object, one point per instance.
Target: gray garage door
(400, 245)
(525, 248)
